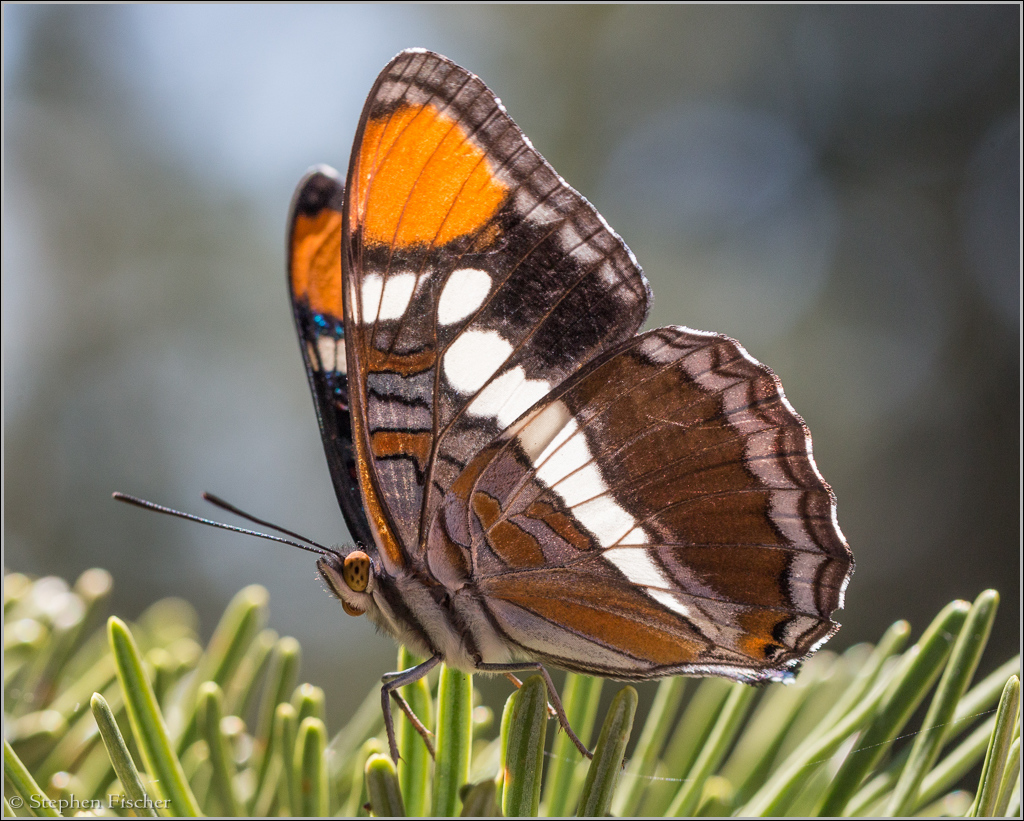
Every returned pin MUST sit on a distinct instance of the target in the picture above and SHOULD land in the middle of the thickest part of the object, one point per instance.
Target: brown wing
(659, 513)
(314, 283)
(476, 281)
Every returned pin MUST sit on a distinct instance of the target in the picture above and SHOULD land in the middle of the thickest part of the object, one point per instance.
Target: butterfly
(527, 478)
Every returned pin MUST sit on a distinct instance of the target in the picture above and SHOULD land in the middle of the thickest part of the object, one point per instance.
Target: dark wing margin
(314, 284)
(659, 513)
(478, 280)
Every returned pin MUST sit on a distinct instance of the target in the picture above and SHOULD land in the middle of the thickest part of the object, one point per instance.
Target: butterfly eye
(356, 572)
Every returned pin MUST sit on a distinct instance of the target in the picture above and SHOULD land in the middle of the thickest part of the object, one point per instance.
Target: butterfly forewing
(659, 512)
(476, 282)
(314, 281)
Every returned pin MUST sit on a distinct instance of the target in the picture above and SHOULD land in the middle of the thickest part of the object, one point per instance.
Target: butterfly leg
(425, 734)
(391, 683)
(556, 702)
(517, 683)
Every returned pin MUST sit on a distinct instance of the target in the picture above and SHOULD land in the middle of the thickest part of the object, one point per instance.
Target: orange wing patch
(375, 513)
(513, 545)
(316, 261)
(421, 180)
(621, 619)
(758, 637)
(565, 526)
(385, 443)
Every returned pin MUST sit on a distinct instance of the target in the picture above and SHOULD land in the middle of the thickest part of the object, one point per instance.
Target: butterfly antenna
(216, 500)
(132, 500)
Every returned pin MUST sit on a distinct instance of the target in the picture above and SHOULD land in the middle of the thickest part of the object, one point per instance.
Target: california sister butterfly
(527, 479)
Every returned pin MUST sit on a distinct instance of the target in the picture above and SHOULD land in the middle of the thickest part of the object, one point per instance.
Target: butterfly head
(350, 577)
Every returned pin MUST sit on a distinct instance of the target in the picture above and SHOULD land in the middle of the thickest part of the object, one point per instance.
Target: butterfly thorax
(415, 608)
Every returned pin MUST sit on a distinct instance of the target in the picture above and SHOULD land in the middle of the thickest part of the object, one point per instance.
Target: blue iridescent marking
(329, 324)
(336, 382)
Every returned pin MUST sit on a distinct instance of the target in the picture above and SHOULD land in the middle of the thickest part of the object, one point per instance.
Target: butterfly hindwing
(659, 512)
(476, 281)
(314, 282)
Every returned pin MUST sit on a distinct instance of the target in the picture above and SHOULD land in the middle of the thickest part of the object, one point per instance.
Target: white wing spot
(581, 485)
(327, 351)
(386, 298)
(398, 291)
(372, 287)
(568, 468)
(671, 602)
(638, 567)
(508, 396)
(464, 292)
(605, 518)
(537, 433)
(341, 362)
(564, 454)
(473, 358)
(636, 536)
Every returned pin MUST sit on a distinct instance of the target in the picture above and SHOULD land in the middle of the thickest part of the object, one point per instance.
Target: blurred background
(837, 187)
